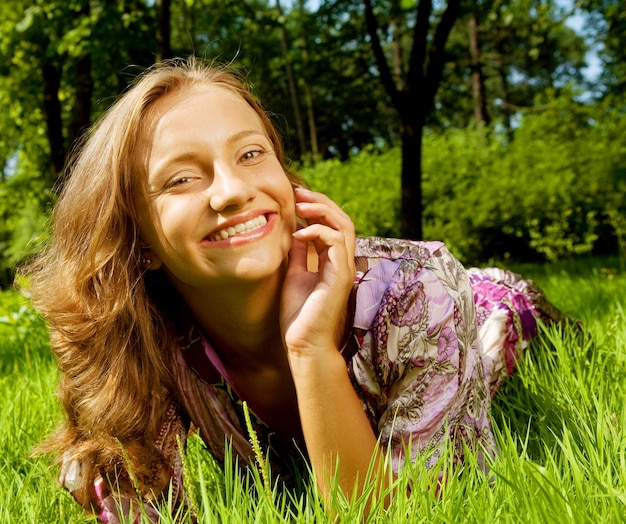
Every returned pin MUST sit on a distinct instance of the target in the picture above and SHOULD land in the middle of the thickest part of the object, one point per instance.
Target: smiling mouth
(245, 227)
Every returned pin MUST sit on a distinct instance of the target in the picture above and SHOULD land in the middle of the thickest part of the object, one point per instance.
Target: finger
(319, 208)
(320, 234)
(297, 256)
(323, 214)
(306, 196)
(330, 244)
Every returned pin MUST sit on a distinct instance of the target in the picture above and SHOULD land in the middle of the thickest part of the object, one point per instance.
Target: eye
(251, 156)
(178, 182)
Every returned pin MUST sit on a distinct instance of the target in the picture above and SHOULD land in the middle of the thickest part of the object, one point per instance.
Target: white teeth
(246, 227)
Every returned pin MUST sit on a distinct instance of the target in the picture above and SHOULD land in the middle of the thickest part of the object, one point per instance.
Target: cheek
(289, 206)
(277, 186)
(285, 193)
(162, 224)
(147, 225)
(171, 221)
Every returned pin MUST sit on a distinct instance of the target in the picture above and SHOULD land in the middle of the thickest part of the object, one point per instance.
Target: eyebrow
(244, 134)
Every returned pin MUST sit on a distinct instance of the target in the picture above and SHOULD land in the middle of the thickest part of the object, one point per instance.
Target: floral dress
(429, 344)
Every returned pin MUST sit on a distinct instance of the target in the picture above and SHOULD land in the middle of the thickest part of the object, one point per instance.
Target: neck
(241, 320)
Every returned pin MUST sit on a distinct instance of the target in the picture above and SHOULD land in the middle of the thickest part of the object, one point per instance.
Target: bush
(24, 226)
(23, 334)
(558, 190)
(549, 194)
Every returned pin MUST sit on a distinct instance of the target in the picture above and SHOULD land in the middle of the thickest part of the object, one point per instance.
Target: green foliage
(23, 228)
(558, 190)
(548, 193)
(525, 47)
(23, 334)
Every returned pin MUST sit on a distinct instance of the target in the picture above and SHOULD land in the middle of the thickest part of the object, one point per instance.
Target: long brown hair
(111, 339)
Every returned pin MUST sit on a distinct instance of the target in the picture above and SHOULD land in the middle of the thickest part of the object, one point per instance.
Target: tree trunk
(506, 102)
(291, 83)
(504, 80)
(396, 56)
(411, 179)
(163, 30)
(478, 83)
(416, 99)
(308, 94)
(52, 114)
(310, 115)
(82, 103)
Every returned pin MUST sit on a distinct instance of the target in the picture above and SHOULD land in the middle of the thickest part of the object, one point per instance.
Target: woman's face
(218, 207)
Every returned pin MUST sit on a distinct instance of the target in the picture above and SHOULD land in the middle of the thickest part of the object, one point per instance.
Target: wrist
(325, 363)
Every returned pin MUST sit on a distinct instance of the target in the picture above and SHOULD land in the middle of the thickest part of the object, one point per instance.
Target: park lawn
(559, 423)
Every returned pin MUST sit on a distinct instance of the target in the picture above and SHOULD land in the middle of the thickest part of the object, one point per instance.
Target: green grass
(559, 422)
(28, 411)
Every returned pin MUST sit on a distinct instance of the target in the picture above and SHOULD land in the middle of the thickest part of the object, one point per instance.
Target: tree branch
(436, 56)
(51, 75)
(381, 61)
(415, 75)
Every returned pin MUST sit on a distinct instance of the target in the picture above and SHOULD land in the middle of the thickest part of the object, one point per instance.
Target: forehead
(212, 99)
(211, 107)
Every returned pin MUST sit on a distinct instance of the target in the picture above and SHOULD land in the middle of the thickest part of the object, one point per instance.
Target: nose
(229, 189)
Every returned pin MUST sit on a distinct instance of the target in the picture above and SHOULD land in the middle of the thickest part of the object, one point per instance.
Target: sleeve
(134, 499)
(433, 388)
(509, 309)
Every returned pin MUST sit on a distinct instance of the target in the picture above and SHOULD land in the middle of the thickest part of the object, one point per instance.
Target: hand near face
(313, 304)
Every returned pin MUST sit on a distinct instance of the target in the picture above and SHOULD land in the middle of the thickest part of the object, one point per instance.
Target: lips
(238, 229)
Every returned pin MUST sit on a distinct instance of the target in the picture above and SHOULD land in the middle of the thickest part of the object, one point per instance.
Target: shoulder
(409, 257)
(395, 268)
(396, 249)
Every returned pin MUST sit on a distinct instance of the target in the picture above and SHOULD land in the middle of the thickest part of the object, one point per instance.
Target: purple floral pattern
(418, 366)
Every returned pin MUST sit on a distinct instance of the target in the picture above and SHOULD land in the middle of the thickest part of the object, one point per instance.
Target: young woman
(189, 271)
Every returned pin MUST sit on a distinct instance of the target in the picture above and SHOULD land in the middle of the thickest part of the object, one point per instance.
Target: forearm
(339, 438)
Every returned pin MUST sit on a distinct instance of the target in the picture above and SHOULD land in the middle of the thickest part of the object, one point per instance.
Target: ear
(149, 259)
